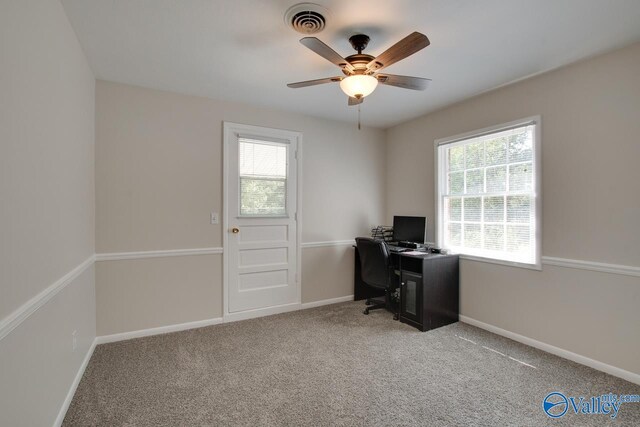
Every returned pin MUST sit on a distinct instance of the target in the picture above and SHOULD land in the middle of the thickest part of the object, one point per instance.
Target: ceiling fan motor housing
(359, 62)
(359, 42)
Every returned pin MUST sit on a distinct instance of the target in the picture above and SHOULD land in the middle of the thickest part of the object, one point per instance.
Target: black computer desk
(429, 288)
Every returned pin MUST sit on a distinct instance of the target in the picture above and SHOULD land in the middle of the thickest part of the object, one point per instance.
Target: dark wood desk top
(423, 255)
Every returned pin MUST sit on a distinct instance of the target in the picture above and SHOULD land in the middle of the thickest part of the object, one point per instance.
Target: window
(488, 193)
(263, 178)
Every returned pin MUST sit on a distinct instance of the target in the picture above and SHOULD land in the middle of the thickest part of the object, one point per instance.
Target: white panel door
(261, 242)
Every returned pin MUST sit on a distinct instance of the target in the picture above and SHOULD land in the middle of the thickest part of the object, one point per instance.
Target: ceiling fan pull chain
(358, 116)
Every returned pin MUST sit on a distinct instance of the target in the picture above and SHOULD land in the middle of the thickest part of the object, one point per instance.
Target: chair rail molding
(328, 243)
(625, 270)
(576, 264)
(13, 320)
(21, 314)
(116, 256)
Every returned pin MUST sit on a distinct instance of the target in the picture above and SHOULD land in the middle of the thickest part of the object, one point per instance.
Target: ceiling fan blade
(405, 47)
(327, 53)
(405, 82)
(355, 101)
(314, 82)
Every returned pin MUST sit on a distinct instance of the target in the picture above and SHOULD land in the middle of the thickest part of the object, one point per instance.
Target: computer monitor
(409, 229)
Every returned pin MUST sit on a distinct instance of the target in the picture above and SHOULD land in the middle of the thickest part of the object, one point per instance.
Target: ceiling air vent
(306, 18)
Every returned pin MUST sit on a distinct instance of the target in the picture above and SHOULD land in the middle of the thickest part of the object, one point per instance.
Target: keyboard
(397, 249)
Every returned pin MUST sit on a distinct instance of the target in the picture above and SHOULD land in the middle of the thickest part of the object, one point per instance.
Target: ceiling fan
(361, 71)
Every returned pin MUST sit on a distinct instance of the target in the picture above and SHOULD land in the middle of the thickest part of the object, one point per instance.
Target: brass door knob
(235, 230)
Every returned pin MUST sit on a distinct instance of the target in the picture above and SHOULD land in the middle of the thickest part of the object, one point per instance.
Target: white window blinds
(263, 177)
(487, 194)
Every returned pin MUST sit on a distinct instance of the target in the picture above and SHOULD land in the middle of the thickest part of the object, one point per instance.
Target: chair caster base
(396, 317)
(366, 311)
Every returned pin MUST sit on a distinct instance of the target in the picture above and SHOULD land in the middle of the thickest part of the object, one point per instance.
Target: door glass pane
(263, 178)
(262, 196)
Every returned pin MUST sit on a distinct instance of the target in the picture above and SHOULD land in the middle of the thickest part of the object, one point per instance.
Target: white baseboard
(76, 381)
(261, 312)
(232, 317)
(123, 336)
(566, 354)
(326, 302)
(251, 314)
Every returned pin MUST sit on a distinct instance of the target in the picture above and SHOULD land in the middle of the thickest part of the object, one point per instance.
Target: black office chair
(375, 269)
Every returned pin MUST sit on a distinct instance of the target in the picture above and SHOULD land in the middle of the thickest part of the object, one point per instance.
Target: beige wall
(590, 126)
(159, 175)
(46, 151)
(146, 293)
(327, 272)
(37, 363)
(46, 207)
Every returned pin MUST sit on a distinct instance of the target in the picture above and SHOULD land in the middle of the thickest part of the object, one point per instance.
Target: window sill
(537, 267)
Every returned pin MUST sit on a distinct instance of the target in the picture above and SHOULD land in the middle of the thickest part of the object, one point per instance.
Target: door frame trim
(229, 128)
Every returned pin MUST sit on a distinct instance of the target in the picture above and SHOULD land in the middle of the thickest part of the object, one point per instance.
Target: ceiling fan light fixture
(359, 85)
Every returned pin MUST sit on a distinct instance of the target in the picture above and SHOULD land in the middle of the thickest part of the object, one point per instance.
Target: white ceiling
(241, 50)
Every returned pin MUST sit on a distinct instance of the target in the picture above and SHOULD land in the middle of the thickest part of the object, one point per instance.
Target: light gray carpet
(332, 366)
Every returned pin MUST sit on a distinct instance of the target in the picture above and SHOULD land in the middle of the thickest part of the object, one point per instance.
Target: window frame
(440, 183)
